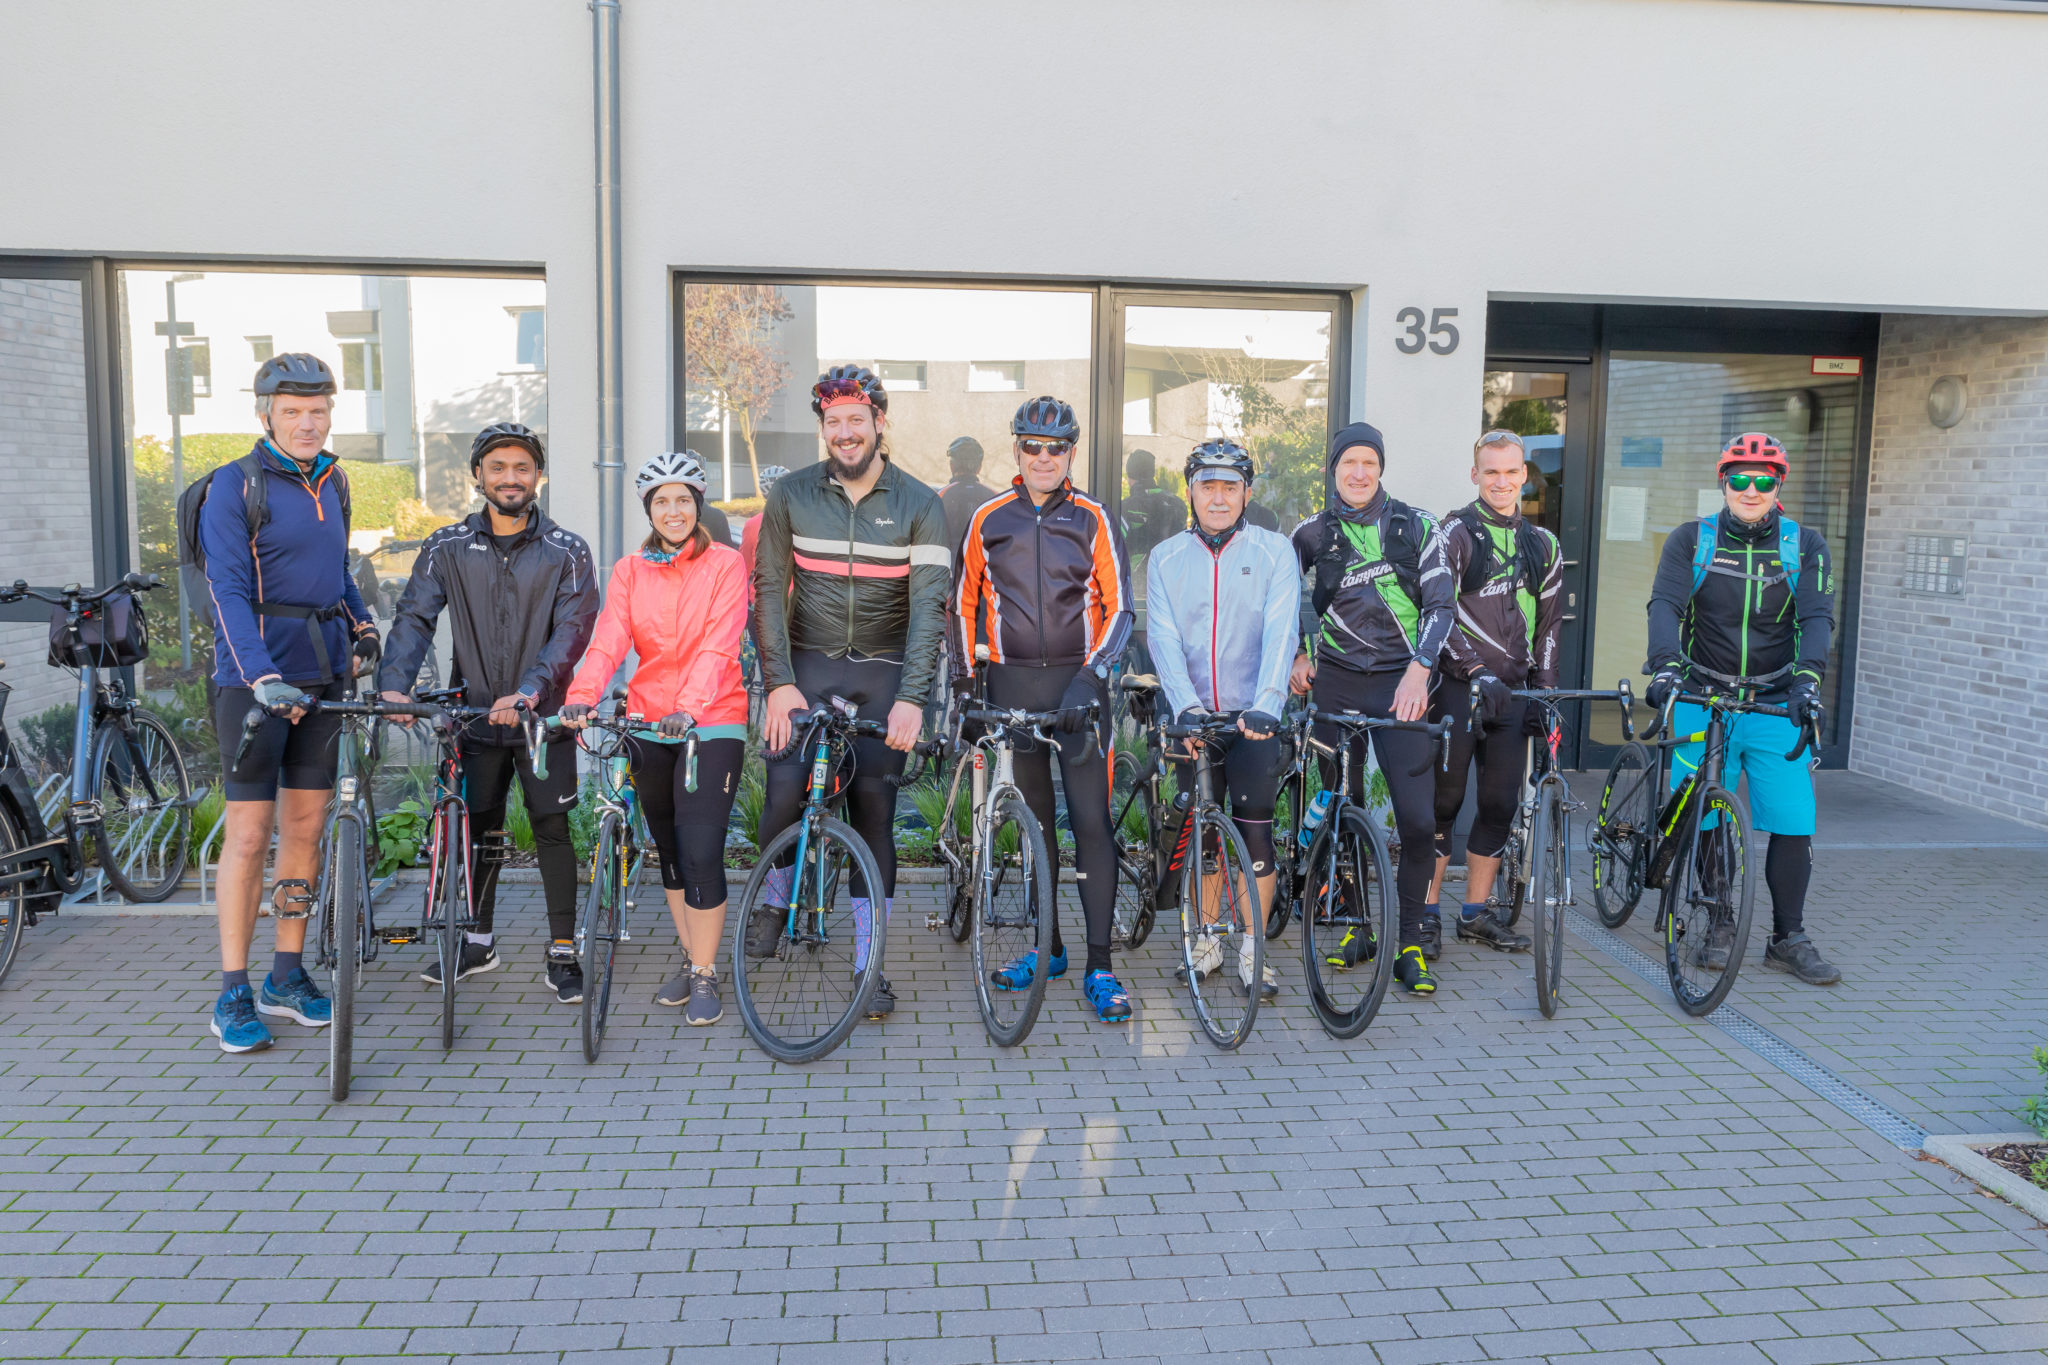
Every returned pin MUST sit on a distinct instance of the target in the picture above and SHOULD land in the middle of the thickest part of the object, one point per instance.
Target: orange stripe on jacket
(973, 585)
(1105, 584)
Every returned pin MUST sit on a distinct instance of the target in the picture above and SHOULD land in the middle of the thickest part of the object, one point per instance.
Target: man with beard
(522, 596)
(850, 579)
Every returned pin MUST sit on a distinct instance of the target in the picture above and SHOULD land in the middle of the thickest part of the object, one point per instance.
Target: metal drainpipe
(611, 406)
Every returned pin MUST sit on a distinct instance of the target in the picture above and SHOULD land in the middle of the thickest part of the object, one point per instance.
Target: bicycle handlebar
(1552, 696)
(1809, 730)
(1355, 722)
(73, 595)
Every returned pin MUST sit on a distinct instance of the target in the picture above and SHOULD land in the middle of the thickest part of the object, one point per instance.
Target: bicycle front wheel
(1130, 804)
(341, 938)
(1511, 885)
(959, 885)
(14, 900)
(451, 904)
(1549, 891)
(145, 828)
(1013, 910)
(1222, 929)
(1622, 833)
(1708, 900)
(1350, 924)
(597, 932)
(802, 998)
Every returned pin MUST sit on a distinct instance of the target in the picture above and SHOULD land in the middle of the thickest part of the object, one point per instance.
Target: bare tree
(729, 353)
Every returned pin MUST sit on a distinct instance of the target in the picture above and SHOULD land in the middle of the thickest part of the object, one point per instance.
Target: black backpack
(1401, 548)
(256, 512)
(1530, 567)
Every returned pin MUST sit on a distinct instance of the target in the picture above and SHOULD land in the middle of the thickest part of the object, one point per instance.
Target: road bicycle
(1011, 876)
(27, 890)
(1222, 922)
(459, 870)
(1340, 876)
(129, 806)
(802, 998)
(1535, 863)
(618, 860)
(1692, 847)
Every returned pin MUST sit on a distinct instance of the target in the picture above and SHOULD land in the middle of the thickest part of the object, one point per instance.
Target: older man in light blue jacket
(1222, 608)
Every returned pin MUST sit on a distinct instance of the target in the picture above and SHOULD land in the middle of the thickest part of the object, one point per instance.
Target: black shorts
(300, 757)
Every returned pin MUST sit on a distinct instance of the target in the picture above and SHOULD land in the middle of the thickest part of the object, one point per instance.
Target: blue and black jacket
(299, 558)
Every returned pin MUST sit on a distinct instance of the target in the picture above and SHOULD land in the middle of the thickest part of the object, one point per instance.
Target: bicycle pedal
(931, 921)
(291, 906)
(398, 937)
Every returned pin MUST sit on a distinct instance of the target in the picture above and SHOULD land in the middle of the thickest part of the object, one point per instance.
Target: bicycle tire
(14, 899)
(1511, 882)
(1013, 915)
(1137, 871)
(1350, 887)
(117, 756)
(1286, 889)
(1549, 891)
(959, 891)
(1621, 837)
(342, 937)
(452, 897)
(597, 933)
(835, 857)
(1238, 927)
(1711, 881)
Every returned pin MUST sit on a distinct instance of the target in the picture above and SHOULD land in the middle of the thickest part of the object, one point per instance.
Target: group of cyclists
(859, 582)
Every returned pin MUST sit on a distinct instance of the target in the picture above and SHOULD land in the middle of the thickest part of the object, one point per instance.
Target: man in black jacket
(522, 595)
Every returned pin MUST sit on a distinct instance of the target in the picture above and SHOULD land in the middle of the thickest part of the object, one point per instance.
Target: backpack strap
(1788, 550)
(1703, 552)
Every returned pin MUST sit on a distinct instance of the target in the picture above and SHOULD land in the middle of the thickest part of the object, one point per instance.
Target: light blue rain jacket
(1222, 628)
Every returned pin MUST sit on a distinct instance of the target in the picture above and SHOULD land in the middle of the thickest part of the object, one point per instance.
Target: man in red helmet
(1744, 603)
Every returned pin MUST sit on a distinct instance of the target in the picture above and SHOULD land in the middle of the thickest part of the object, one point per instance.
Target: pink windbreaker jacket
(684, 619)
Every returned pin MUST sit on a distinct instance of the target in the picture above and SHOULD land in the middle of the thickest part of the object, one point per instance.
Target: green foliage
(583, 821)
(752, 797)
(518, 823)
(1290, 443)
(2036, 1111)
(46, 738)
(400, 833)
(1528, 417)
(212, 803)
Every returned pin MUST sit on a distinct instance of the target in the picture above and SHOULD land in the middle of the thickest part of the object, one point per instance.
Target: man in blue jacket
(288, 620)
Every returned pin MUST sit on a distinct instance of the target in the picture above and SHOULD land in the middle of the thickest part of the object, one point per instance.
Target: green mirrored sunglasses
(1763, 483)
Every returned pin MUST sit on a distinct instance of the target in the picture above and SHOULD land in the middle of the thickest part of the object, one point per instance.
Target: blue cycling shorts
(1780, 793)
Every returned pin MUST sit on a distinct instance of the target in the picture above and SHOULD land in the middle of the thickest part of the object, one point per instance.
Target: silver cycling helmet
(676, 466)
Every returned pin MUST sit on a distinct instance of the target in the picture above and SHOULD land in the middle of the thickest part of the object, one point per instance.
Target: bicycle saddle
(1140, 682)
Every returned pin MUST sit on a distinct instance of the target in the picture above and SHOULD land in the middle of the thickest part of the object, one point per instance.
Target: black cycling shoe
(764, 928)
(1431, 939)
(564, 974)
(882, 1000)
(1712, 956)
(1412, 971)
(475, 958)
(1796, 954)
(1484, 928)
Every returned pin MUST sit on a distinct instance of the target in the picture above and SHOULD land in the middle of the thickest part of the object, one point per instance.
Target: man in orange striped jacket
(1045, 583)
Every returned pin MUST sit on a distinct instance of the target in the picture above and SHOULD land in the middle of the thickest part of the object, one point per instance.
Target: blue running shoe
(297, 999)
(1017, 976)
(1112, 1005)
(235, 1022)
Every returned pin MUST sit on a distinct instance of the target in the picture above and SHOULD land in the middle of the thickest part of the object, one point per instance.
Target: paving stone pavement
(1466, 1181)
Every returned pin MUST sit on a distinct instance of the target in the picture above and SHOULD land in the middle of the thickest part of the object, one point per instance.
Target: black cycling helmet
(964, 453)
(848, 381)
(1218, 455)
(293, 372)
(1046, 416)
(506, 434)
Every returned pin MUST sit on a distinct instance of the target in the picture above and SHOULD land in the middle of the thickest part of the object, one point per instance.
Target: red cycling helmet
(1754, 447)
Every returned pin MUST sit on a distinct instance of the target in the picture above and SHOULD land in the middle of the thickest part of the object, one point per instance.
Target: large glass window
(956, 362)
(423, 363)
(1667, 417)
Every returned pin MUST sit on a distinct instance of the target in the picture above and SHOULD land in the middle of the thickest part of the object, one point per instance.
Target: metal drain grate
(1867, 1110)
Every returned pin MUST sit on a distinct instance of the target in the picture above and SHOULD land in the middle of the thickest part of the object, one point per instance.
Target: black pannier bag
(114, 634)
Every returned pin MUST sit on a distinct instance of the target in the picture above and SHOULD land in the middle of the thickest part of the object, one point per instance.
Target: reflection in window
(421, 365)
(752, 350)
(531, 345)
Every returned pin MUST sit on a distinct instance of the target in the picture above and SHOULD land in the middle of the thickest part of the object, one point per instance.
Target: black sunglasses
(1033, 447)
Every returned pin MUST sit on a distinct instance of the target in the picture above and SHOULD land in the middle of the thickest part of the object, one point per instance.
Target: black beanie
(1358, 434)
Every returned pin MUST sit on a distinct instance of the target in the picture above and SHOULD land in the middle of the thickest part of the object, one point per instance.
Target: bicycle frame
(351, 805)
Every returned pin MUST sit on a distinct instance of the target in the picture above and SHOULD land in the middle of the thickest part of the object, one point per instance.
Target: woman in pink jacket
(680, 604)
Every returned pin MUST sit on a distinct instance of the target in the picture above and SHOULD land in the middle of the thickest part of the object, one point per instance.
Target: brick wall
(1949, 689)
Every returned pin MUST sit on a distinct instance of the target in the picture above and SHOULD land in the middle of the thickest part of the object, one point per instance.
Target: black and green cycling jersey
(1376, 622)
(1747, 621)
(1507, 625)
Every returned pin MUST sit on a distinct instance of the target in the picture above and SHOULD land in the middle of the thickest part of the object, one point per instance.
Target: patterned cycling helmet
(1046, 417)
(293, 372)
(506, 434)
(1754, 447)
(848, 384)
(677, 466)
(771, 474)
(1212, 458)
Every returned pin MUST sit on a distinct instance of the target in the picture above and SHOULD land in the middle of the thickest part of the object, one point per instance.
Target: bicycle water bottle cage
(289, 903)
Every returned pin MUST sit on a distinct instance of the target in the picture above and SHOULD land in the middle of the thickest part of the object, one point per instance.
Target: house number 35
(1441, 335)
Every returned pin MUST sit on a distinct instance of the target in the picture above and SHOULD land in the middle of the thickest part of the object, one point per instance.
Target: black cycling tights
(1503, 753)
(1085, 776)
(870, 684)
(689, 827)
(487, 773)
(1400, 753)
(1251, 779)
(1788, 866)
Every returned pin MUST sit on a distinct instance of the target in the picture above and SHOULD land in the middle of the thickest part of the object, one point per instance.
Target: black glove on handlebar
(675, 725)
(1190, 718)
(1661, 687)
(1258, 725)
(1495, 697)
(1804, 703)
(369, 648)
(575, 711)
(1074, 703)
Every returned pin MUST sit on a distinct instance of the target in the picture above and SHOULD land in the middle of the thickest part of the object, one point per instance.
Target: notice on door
(1838, 364)
(1628, 508)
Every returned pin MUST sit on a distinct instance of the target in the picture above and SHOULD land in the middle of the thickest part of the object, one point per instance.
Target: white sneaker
(1208, 958)
(1269, 985)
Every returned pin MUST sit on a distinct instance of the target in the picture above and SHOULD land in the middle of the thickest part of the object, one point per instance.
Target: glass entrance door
(1549, 406)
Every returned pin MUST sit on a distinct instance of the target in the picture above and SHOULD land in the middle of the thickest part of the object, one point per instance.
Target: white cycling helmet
(676, 466)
